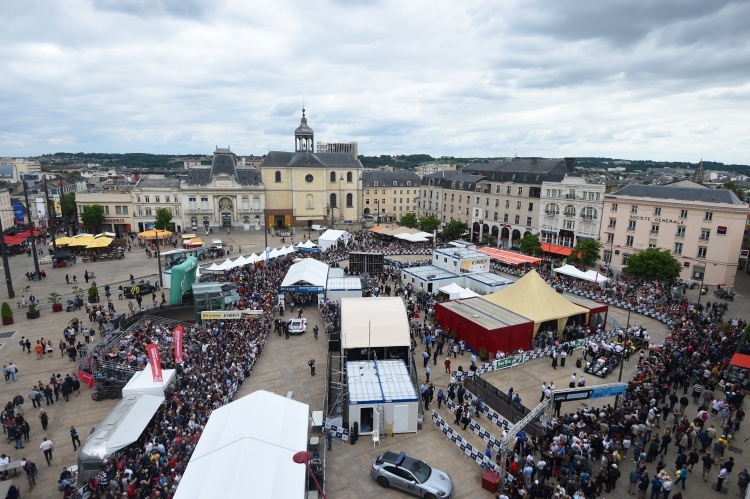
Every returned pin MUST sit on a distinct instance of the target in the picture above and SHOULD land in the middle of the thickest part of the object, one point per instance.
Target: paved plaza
(282, 368)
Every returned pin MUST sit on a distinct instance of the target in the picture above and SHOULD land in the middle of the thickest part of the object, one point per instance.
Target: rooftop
(679, 193)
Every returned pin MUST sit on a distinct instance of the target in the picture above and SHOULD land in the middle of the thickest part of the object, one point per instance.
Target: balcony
(551, 213)
(569, 214)
(588, 217)
(190, 211)
(571, 196)
(252, 211)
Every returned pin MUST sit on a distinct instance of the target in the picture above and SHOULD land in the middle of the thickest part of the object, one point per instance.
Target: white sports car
(297, 326)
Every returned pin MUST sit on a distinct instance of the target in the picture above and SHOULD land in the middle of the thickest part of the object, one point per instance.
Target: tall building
(304, 187)
(702, 227)
(571, 209)
(345, 147)
(388, 195)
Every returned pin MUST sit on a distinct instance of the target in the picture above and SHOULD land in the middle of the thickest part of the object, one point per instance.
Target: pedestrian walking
(554, 360)
(447, 364)
(74, 437)
(47, 447)
(31, 472)
(427, 373)
(311, 363)
(44, 419)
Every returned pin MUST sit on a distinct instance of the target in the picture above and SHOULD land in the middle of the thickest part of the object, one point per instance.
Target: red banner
(155, 360)
(178, 332)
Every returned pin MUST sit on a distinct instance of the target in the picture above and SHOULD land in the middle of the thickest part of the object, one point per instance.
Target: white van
(218, 243)
(318, 227)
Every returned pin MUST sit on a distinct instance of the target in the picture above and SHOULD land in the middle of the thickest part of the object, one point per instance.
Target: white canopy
(134, 423)
(307, 244)
(418, 237)
(374, 322)
(308, 270)
(467, 293)
(248, 445)
(331, 237)
(451, 290)
(143, 382)
(590, 275)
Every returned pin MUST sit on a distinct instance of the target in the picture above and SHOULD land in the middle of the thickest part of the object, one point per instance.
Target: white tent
(248, 445)
(331, 237)
(590, 275)
(143, 382)
(307, 244)
(594, 276)
(133, 425)
(374, 323)
(467, 293)
(453, 290)
(309, 272)
(417, 237)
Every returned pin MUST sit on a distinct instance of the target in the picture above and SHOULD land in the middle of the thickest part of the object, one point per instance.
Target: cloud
(659, 80)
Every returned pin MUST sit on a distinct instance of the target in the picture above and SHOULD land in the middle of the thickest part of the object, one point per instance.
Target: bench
(14, 465)
(289, 394)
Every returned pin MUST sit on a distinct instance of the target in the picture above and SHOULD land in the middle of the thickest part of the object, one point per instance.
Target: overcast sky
(666, 79)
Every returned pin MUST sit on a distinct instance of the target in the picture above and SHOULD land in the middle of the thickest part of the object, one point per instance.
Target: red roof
(740, 360)
(508, 256)
(13, 240)
(556, 249)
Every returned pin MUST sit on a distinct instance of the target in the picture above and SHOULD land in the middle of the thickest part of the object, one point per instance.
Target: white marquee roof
(377, 322)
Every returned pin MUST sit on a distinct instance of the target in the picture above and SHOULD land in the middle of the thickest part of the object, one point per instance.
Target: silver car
(411, 475)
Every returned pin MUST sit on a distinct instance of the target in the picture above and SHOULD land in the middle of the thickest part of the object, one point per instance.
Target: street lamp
(622, 361)
(303, 457)
(377, 201)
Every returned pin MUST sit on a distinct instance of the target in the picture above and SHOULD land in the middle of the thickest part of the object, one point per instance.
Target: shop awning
(556, 249)
(740, 360)
(508, 256)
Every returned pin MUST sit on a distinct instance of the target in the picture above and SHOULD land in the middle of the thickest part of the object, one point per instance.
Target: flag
(155, 360)
(178, 332)
(58, 209)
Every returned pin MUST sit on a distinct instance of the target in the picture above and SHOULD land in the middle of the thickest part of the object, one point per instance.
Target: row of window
(677, 250)
(119, 210)
(570, 211)
(401, 191)
(571, 194)
(309, 178)
(167, 199)
(349, 201)
(395, 201)
(707, 216)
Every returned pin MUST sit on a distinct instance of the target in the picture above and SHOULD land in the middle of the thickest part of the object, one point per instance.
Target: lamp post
(265, 225)
(622, 361)
(31, 227)
(158, 259)
(50, 219)
(377, 201)
(303, 457)
(6, 267)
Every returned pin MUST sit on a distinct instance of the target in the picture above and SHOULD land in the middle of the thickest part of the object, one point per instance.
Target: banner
(18, 212)
(155, 360)
(178, 332)
(212, 315)
(509, 362)
(58, 209)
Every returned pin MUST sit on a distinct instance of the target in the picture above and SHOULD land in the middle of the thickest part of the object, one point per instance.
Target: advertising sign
(473, 265)
(155, 360)
(590, 393)
(223, 315)
(509, 362)
(18, 212)
(178, 332)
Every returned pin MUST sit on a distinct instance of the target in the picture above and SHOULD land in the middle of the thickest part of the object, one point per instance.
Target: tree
(732, 186)
(455, 229)
(68, 207)
(408, 220)
(586, 252)
(92, 216)
(654, 264)
(429, 224)
(163, 219)
(530, 245)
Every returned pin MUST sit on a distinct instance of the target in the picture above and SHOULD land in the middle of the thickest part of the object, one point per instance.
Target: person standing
(311, 363)
(74, 437)
(329, 439)
(47, 447)
(720, 479)
(554, 360)
(18, 403)
(447, 364)
(31, 472)
(427, 373)
(563, 356)
(13, 370)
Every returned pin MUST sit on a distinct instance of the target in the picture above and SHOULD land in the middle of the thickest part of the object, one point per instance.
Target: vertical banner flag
(155, 360)
(178, 332)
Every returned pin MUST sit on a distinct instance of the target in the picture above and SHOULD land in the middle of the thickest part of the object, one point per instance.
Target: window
(680, 231)
(629, 241)
(570, 211)
(702, 251)
(520, 191)
(148, 199)
(349, 177)
(148, 211)
(118, 210)
(204, 203)
(256, 202)
(138, 199)
(507, 191)
(657, 211)
(614, 207)
(106, 210)
(497, 189)
(277, 176)
(634, 208)
(394, 201)
(607, 256)
(497, 203)
(459, 198)
(486, 201)
(612, 223)
(191, 203)
(507, 204)
(528, 221)
(625, 257)
(333, 201)
(408, 184)
(677, 248)
(367, 192)
(518, 205)
(333, 179)
(245, 203)
(349, 200)
(655, 229)
(610, 237)
(495, 217)
(708, 216)
(631, 225)
(518, 220)
(124, 210)
(705, 234)
(309, 178)
(683, 213)
(652, 243)
(395, 184)
(477, 200)
(167, 198)
(531, 206)
(569, 225)
(157, 199)
(505, 218)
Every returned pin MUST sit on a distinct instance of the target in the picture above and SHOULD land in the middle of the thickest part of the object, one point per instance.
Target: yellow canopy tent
(100, 242)
(63, 241)
(196, 241)
(81, 240)
(154, 233)
(531, 297)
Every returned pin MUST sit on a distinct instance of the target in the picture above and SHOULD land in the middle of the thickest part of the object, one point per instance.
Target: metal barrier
(497, 400)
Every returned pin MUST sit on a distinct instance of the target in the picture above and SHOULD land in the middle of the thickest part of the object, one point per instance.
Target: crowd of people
(218, 356)
(370, 243)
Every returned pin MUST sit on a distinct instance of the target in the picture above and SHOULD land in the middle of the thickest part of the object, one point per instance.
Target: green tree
(408, 220)
(586, 252)
(654, 264)
(530, 245)
(455, 229)
(68, 207)
(429, 224)
(732, 186)
(92, 216)
(163, 219)
(490, 240)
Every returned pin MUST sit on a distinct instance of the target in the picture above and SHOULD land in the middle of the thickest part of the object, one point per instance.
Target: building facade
(345, 147)
(304, 187)
(7, 218)
(387, 196)
(117, 206)
(702, 227)
(448, 196)
(570, 210)
(150, 194)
